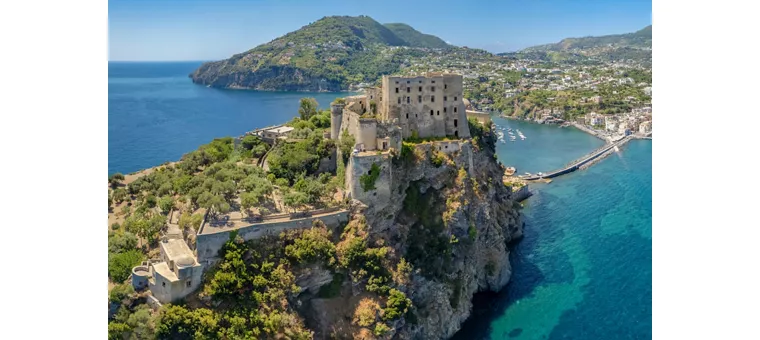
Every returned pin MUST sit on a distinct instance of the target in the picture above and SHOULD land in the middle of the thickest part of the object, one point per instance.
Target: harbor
(610, 143)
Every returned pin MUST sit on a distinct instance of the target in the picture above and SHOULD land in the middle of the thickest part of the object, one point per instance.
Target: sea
(156, 114)
(583, 269)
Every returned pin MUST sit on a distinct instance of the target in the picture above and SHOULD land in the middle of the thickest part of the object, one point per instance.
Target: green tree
(119, 195)
(295, 199)
(312, 245)
(121, 242)
(115, 180)
(347, 143)
(307, 108)
(120, 264)
(166, 203)
(186, 220)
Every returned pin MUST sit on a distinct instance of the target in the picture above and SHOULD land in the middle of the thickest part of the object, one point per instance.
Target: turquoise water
(545, 148)
(156, 114)
(584, 268)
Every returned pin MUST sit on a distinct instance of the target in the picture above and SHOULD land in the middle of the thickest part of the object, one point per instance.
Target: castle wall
(328, 164)
(364, 130)
(375, 94)
(379, 197)
(432, 106)
(456, 117)
(336, 120)
(447, 147)
(208, 245)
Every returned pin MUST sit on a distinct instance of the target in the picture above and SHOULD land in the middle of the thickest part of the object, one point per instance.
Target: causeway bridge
(580, 162)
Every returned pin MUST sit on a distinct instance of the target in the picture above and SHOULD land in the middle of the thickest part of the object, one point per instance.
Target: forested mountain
(327, 55)
(639, 39)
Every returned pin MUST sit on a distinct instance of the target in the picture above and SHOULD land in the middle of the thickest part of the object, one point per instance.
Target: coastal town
(612, 98)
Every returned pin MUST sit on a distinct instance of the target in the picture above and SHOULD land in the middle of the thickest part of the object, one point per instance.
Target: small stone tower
(336, 118)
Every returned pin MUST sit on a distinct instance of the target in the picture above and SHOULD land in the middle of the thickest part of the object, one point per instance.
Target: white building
(645, 127)
(610, 124)
(177, 275)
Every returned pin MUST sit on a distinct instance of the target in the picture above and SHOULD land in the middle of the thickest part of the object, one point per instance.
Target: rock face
(453, 222)
(281, 78)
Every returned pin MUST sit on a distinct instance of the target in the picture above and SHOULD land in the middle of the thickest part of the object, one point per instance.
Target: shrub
(120, 292)
(396, 306)
(119, 195)
(368, 181)
(438, 158)
(366, 312)
(151, 201)
(312, 245)
(407, 151)
(381, 328)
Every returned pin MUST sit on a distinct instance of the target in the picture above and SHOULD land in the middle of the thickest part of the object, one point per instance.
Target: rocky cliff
(451, 217)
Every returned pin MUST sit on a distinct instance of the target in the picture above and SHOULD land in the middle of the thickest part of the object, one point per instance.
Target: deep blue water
(584, 268)
(156, 114)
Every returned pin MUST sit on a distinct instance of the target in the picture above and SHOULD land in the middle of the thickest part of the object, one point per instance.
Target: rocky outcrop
(311, 279)
(462, 202)
(225, 74)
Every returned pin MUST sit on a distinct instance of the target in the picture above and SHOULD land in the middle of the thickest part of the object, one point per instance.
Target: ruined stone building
(423, 106)
(428, 106)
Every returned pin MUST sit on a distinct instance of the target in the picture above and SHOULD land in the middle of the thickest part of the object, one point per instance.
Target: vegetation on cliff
(373, 277)
(326, 55)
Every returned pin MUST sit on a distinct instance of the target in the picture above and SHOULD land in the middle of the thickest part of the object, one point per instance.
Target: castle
(422, 106)
(428, 106)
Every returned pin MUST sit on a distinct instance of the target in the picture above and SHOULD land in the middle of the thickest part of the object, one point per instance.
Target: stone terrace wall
(447, 147)
(208, 245)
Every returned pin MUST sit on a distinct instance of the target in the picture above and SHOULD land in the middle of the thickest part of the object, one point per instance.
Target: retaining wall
(208, 245)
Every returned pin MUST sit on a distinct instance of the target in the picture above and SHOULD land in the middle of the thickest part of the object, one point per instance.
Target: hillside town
(611, 97)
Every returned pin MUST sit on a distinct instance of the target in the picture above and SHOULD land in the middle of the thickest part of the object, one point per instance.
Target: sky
(180, 30)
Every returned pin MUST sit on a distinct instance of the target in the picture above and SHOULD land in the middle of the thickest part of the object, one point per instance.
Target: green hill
(412, 37)
(327, 55)
(638, 39)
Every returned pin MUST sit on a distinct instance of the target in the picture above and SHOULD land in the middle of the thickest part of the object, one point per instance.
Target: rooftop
(177, 250)
(235, 220)
(163, 269)
(281, 129)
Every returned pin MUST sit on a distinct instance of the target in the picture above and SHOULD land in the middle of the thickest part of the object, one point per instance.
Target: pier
(581, 162)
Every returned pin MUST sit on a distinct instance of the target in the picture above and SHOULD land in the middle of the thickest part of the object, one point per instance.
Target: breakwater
(582, 162)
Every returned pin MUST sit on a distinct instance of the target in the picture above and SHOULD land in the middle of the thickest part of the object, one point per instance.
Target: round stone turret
(140, 276)
(336, 118)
